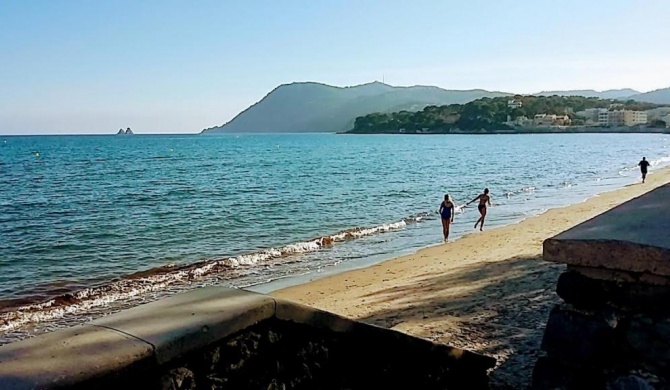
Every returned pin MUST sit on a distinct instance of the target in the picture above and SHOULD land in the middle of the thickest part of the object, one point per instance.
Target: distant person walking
(483, 199)
(644, 164)
(447, 214)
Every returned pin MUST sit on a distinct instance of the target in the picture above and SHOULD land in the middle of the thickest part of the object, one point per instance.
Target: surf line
(161, 278)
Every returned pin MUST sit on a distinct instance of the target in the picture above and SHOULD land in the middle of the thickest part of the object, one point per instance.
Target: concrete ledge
(138, 343)
(188, 321)
(70, 357)
(632, 237)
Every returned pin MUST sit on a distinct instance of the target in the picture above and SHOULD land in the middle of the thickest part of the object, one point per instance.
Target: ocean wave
(161, 278)
(660, 161)
(523, 190)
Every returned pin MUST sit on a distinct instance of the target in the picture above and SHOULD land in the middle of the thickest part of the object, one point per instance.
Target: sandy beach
(488, 292)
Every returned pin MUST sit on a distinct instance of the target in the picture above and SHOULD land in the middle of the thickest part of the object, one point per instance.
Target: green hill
(314, 107)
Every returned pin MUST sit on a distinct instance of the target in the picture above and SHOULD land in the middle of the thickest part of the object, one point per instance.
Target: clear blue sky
(181, 66)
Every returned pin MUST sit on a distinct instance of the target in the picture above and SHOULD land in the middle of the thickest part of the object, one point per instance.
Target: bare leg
(481, 226)
(481, 218)
(447, 223)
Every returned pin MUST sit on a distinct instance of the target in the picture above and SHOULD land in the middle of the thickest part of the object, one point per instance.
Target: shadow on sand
(499, 309)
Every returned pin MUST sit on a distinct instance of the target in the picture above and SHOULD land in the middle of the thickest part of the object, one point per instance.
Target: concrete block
(650, 338)
(585, 292)
(630, 237)
(70, 357)
(579, 337)
(581, 291)
(185, 322)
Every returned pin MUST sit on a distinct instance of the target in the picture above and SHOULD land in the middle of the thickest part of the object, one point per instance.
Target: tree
(659, 124)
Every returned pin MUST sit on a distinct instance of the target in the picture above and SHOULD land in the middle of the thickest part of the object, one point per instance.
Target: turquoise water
(115, 221)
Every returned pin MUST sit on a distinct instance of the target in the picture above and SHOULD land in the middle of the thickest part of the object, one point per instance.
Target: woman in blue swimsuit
(447, 214)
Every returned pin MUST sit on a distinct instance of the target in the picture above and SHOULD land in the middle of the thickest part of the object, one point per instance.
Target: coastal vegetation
(491, 114)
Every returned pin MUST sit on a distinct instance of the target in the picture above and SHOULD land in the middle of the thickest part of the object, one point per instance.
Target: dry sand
(488, 292)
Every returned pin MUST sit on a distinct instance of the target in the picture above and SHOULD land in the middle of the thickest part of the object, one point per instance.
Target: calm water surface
(105, 222)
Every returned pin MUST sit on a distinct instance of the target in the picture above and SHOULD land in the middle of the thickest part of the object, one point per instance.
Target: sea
(90, 225)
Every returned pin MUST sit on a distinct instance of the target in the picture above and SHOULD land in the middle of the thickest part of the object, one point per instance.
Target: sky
(70, 67)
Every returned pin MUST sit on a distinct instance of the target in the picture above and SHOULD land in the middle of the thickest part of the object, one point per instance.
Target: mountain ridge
(308, 106)
(606, 94)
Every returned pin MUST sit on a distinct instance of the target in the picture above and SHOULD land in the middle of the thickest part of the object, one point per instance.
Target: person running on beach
(483, 200)
(643, 167)
(447, 214)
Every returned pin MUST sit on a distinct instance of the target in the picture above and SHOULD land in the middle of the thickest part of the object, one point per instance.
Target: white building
(514, 104)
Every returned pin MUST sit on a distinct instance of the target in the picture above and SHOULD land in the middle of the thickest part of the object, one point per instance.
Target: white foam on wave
(84, 300)
(523, 190)
(660, 161)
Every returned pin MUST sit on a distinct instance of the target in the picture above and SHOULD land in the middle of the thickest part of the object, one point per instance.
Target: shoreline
(289, 281)
(531, 130)
(489, 292)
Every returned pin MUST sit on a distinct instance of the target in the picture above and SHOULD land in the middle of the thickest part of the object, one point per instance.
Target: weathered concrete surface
(188, 321)
(619, 276)
(70, 357)
(635, 237)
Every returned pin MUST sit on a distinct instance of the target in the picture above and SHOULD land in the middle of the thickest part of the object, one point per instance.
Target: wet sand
(488, 292)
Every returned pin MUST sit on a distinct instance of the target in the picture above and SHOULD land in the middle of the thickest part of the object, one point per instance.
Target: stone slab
(621, 292)
(619, 276)
(580, 337)
(634, 236)
(71, 357)
(294, 312)
(185, 322)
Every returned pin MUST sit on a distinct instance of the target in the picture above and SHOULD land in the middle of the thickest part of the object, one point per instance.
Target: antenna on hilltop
(383, 80)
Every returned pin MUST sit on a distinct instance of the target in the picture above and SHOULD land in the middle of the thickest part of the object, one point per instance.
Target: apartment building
(618, 118)
(634, 118)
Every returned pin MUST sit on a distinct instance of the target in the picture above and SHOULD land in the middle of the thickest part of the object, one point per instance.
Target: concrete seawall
(613, 328)
(196, 337)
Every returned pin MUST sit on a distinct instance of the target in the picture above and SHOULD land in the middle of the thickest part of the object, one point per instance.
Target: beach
(489, 292)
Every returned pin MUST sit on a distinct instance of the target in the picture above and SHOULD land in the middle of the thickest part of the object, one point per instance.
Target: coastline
(489, 292)
(530, 130)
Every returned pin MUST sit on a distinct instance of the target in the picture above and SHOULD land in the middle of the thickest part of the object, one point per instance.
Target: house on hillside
(549, 120)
